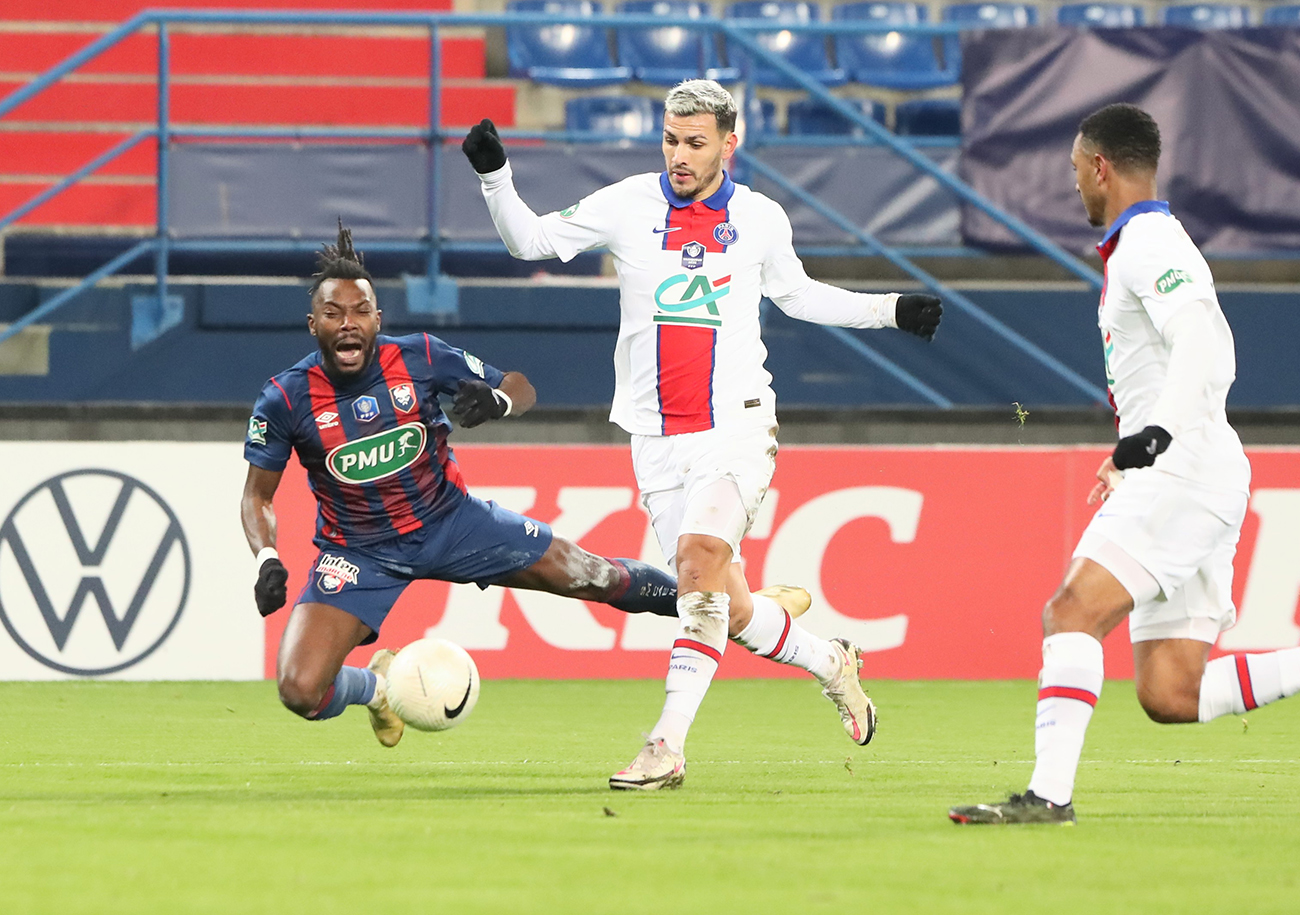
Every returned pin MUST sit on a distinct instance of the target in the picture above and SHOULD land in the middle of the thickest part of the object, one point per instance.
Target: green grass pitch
(178, 798)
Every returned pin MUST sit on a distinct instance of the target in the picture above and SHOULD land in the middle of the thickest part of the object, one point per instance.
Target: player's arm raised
(528, 236)
(257, 513)
(799, 296)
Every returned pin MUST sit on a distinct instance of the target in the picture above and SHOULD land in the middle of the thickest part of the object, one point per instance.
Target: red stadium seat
(250, 78)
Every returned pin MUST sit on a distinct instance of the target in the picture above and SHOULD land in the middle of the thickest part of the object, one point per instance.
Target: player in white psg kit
(695, 253)
(1159, 551)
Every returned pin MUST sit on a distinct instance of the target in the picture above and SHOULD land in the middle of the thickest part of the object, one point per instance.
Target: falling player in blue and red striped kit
(364, 417)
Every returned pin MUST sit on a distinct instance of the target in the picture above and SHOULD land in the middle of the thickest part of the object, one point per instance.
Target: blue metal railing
(742, 32)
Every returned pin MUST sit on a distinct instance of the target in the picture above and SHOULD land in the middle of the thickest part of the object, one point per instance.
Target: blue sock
(352, 686)
(645, 589)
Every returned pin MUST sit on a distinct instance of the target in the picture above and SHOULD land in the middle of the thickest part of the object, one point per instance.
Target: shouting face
(344, 320)
(694, 148)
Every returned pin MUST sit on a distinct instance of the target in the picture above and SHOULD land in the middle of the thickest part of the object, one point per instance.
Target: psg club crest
(403, 397)
(365, 409)
(725, 234)
(693, 255)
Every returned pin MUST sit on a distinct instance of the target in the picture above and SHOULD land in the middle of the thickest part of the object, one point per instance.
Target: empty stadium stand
(668, 55)
(892, 60)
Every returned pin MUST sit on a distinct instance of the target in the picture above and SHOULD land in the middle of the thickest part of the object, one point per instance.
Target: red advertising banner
(937, 561)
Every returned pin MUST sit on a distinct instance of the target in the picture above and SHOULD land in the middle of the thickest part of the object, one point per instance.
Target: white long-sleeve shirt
(691, 274)
(1169, 352)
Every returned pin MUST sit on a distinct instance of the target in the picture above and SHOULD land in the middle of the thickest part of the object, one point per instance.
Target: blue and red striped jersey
(375, 446)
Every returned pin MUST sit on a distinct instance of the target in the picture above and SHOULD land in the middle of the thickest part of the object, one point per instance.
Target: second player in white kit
(695, 253)
(1159, 551)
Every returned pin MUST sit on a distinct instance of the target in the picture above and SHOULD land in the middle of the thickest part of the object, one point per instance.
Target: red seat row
(118, 10)
(248, 54)
(262, 78)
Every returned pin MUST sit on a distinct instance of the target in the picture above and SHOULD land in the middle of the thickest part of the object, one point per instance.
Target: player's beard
(704, 180)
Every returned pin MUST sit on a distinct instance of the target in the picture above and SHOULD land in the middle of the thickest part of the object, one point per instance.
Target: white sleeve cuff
(504, 398)
(265, 553)
(493, 180)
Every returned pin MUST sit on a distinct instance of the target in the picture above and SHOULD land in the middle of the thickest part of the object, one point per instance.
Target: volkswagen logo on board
(94, 572)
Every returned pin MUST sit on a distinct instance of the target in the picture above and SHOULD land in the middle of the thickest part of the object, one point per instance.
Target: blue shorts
(478, 542)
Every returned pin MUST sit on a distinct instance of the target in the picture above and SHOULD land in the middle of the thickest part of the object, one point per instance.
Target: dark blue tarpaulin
(1228, 105)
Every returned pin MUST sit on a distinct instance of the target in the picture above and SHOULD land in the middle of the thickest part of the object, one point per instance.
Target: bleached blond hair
(702, 96)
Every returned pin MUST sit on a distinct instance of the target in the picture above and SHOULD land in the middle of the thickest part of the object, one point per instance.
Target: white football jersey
(1152, 270)
(689, 355)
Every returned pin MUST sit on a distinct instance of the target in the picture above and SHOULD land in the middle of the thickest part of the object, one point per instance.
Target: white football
(433, 684)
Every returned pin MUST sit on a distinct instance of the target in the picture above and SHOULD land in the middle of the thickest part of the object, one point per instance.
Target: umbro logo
(327, 420)
(659, 230)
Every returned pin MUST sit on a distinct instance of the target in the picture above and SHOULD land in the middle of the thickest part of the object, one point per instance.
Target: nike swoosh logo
(455, 712)
(659, 231)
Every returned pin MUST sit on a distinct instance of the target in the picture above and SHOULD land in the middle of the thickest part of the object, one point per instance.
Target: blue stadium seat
(985, 16)
(562, 55)
(671, 54)
(760, 118)
(892, 60)
(1100, 15)
(617, 115)
(811, 116)
(803, 50)
(1207, 16)
(930, 117)
(1282, 15)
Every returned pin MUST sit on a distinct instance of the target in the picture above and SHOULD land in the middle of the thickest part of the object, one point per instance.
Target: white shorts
(1170, 542)
(709, 482)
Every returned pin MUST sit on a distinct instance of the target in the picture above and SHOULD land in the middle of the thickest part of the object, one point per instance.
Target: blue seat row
(579, 55)
(636, 116)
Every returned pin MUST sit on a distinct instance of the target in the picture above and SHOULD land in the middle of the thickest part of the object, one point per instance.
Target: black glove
(918, 313)
(475, 403)
(483, 147)
(1140, 450)
(269, 590)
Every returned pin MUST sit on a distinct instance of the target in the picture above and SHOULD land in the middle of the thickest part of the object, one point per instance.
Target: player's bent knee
(301, 695)
(1167, 707)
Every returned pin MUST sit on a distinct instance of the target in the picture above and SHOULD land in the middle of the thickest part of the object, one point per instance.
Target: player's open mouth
(349, 353)
(682, 177)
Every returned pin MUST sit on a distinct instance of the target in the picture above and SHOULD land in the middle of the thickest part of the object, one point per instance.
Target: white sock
(381, 692)
(772, 634)
(701, 639)
(1068, 687)
(1235, 684)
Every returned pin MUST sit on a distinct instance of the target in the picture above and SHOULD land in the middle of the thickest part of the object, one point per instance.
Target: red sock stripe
(780, 643)
(707, 650)
(624, 580)
(329, 697)
(1067, 692)
(1243, 680)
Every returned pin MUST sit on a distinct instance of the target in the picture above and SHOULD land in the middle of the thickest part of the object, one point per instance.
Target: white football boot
(388, 727)
(845, 690)
(793, 599)
(655, 767)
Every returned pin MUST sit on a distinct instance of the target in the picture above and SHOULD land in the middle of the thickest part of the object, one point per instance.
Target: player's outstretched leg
(772, 633)
(310, 674)
(627, 584)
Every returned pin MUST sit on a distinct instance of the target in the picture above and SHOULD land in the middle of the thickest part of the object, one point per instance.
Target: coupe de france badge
(692, 255)
(365, 409)
(725, 234)
(403, 397)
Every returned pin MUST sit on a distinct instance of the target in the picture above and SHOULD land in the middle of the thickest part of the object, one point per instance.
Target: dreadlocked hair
(340, 261)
